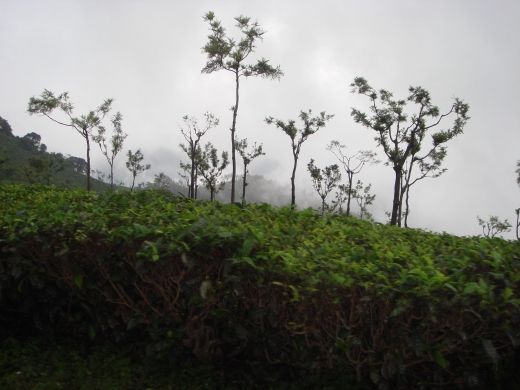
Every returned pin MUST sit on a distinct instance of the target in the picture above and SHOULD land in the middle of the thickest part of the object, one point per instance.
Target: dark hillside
(5, 128)
(16, 151)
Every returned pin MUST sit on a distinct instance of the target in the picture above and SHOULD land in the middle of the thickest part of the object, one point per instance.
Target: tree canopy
(402, 136)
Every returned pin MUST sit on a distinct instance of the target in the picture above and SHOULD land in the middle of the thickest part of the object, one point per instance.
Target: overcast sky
(147, 56)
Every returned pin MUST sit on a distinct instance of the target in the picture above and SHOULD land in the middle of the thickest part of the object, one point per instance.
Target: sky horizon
(148, 57)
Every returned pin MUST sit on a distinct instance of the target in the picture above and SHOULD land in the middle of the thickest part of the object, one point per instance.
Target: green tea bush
(283, 292)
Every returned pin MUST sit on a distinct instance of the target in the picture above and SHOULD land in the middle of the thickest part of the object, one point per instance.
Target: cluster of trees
(412, 151)
(85, 125)
(401, 136)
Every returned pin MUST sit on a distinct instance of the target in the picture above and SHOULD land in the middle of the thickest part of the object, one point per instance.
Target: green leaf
(507, 293)
(247, 246)
(187, 261)
(374, 375)
(451, 287)
(134, 321)
(417, 343)
(91, 332)
(61, 252)
(439, 359)
(240, 332)
(498, 370)
(471, 288)
(250, 261)
(77, 276)
(296, 294)
(490, 349)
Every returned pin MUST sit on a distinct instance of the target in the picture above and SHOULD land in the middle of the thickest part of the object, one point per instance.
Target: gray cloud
(147, 55)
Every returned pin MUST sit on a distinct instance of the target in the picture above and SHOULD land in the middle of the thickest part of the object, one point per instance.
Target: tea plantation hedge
(274, 289)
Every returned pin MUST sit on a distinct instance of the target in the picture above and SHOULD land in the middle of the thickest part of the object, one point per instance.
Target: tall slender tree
(517, 211)
(324, 180)
(211, 169)
(192, 133)
(247, 158)
(134, 165)
(83, 124)
(310, 126)
(225, 53)
(116, 143)
(400, 135)
(352, 165)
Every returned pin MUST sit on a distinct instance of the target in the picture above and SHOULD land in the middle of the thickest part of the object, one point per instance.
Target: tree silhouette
(401, 137)
(192, 133)
(211, 169)
(494, 226)
(247, 158)
(83, 124)
(116, 143)
(134, 164)
(225, 53)
(324, 180)
(352, 165)
(310, 126)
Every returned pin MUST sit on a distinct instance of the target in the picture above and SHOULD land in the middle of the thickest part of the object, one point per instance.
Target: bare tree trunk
(402, 190)
(293, 190)
(397, 189)
(133, 183)
(233, 127)
(244, 184)
(517, 224)
(85, 132)
(191, 191)
(407, 209)
(349, 194)
(112, 176)
(407, 190)
(194, 185)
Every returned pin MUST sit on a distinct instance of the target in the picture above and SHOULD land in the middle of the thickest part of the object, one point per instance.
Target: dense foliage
(263, 286)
